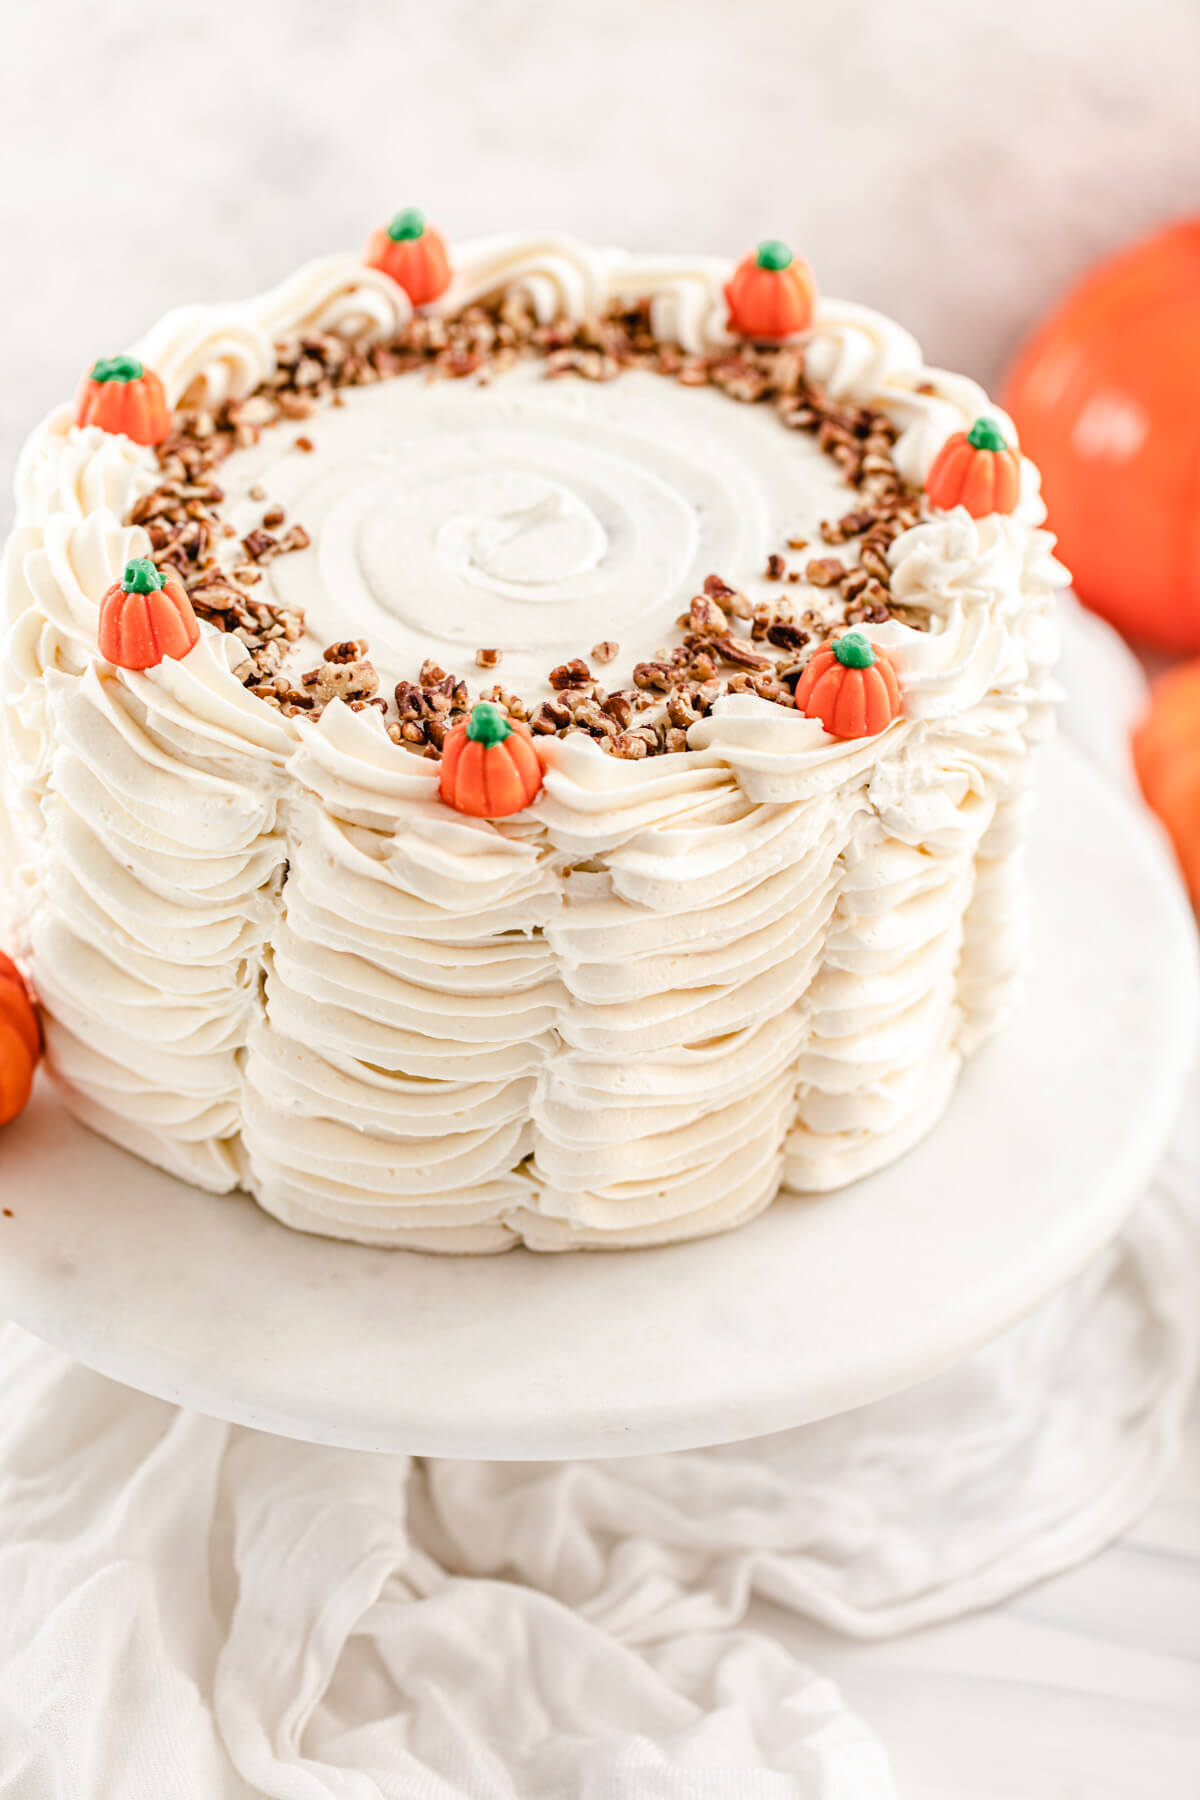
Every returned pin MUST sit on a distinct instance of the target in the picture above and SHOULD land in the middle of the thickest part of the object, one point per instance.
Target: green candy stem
(772, 254)
(984, 435)
(487, 724)
(117, 368)
(406, 225)
(853, 651)
(141, 577)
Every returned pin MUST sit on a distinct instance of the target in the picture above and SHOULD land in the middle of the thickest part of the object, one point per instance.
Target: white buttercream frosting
(530, 516)
(270, 957)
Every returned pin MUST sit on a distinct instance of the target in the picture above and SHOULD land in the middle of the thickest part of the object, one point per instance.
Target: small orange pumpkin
(771, 293)
(413, 254)
(1166, 754)
(145, 616)
(120, 395)
(20, 1041)
(850, 686)
(977, 469)
(489, 765)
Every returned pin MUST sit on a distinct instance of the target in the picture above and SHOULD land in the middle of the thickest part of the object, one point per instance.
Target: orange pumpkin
(1166, 753)
(1106, 395)
(771, 293)
(413, 254)
(145, 616)
(976, 469)
(489, 765)
(20, 1041)
(119, 395)
(850, 686)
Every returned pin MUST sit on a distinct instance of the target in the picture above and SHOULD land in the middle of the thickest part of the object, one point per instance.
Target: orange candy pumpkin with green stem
(413, 254)
(120, 394)
(850, 686)
(1166, 754)
(771, 293)
(145, 616)
(20, 1041)
(977, 469)
(489, 765)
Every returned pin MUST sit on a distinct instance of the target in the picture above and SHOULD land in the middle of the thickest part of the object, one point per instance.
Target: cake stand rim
(78, 1287)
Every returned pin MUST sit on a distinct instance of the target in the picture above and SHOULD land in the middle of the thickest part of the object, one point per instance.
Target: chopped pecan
(572, 674)
(552, 716)
(342, 681)
(680, 710)
(350, 650)
(785, 636)
(705, 615)
(727, 598)
(738, 652)
(259, 544)
(825, 571)
(875, 563)
(619, 708)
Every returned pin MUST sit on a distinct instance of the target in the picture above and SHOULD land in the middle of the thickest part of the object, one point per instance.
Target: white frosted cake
(477, 854)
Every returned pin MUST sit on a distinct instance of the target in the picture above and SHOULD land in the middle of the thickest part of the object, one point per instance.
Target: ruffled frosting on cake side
(270, 957)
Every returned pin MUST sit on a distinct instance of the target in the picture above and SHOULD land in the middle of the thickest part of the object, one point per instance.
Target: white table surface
(1085, 1688)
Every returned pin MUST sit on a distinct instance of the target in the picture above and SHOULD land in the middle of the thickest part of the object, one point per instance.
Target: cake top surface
(533, 517)
(624, 498)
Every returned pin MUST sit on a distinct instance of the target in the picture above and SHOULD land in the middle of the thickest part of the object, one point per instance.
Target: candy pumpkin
(413, 254)
(1166, 754)
(118, 394)
(771, 293)
(20, 1041)
(850, 686)
(489, 765)
(145, 616)
(1106, 395)
(976, 469)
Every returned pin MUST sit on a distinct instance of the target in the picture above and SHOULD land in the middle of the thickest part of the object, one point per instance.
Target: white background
(953, 161)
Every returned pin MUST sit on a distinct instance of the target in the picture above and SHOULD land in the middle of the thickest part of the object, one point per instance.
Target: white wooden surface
(1085, 1688)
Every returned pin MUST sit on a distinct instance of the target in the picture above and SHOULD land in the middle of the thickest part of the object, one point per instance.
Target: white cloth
(193, 1611)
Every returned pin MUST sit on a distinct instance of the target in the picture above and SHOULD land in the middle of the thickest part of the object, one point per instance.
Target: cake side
(269, 956)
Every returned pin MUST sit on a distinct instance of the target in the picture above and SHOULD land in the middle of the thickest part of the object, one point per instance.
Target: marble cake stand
(822, 1304)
